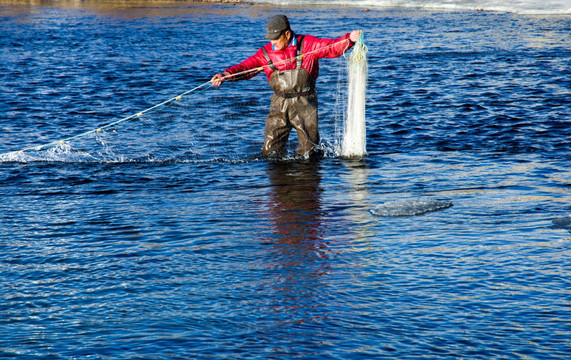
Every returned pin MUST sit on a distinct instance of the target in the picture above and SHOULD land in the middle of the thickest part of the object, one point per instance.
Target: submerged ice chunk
(410, 207)
(563, 222)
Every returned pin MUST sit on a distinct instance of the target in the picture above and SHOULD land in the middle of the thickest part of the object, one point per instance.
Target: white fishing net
(354, 143)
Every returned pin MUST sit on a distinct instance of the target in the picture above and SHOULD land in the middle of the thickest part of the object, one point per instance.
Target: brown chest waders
(293, 105)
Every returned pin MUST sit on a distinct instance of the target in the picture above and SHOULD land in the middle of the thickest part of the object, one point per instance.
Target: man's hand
(355, 34)
(218, 79)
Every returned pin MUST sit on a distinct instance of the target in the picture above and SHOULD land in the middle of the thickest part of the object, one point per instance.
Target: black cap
(276, 25)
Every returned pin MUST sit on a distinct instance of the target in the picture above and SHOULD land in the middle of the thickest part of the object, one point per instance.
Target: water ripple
(170, 237)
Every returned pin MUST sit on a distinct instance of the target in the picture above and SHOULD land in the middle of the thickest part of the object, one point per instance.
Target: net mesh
(353, 143)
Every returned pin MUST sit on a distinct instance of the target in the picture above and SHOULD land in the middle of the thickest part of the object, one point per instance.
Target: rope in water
(167, 102)
(99, 129)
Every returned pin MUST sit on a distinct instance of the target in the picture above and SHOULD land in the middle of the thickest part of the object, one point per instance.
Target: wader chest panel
(291, 83)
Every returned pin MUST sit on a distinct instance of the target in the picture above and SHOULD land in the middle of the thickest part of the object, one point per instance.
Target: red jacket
(285, 59)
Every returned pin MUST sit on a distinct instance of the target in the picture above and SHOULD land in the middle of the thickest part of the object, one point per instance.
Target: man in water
(291, 63)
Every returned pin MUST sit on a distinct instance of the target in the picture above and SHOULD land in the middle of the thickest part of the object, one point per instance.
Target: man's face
(281, 42)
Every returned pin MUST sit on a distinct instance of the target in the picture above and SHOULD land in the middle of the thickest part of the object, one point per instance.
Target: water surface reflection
(298, 255)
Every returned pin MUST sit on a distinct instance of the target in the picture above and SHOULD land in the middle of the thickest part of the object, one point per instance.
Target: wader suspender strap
(270, 63)
(298, 53)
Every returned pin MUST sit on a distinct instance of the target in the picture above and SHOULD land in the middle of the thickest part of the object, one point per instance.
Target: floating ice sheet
(410, 207)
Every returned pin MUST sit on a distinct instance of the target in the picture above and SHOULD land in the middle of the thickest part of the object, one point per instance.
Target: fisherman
(291, 63)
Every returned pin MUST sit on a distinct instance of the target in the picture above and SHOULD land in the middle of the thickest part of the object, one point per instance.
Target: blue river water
(170, 237)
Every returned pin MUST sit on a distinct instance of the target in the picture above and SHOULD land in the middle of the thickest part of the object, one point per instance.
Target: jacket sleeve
(327, 48)
(248, 68)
